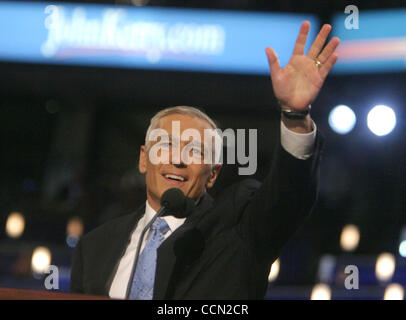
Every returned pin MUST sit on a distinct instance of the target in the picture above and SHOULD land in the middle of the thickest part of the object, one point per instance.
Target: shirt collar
(172, 222)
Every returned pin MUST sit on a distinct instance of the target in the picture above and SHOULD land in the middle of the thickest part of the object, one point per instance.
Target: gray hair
(185, 110)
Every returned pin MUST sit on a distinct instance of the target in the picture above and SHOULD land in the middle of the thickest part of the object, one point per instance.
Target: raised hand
(296, 85)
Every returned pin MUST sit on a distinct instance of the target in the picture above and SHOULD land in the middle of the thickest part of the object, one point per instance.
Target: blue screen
(378, 45)
(147, 38)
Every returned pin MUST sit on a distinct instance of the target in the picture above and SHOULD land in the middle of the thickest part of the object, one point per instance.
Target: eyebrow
(192, 143)
(171, 138)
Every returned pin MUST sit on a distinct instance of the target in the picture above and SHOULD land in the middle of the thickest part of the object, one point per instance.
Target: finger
(328, 50)
(273, 61)
(301, 38)
(319, 42)
(328, 65)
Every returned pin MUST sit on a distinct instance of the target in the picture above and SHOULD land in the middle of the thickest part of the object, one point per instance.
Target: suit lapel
(121, 238)
(171, 249)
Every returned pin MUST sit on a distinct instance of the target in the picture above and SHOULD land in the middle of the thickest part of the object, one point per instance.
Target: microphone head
(176, 203)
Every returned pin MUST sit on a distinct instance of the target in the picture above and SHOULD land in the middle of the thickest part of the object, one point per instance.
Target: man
(225, 248)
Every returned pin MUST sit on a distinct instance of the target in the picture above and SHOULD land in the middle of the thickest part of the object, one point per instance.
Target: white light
(342, 119)
(41, 259)
(15, 225)
(402, 242)
(385, 266)
(402, 249)
(321, 291)
(273, 273)
(381, 120)
(394, 292)
(349, 238)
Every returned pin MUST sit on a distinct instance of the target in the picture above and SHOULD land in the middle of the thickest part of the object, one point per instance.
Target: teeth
(174, 177)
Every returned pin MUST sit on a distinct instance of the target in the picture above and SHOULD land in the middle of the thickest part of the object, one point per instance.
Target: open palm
(296, 85)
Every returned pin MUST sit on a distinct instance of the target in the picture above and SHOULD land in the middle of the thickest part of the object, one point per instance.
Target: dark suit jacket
(224, 250)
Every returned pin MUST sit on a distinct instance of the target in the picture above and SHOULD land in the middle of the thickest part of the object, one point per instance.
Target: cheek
(152, 174)
(202, 177)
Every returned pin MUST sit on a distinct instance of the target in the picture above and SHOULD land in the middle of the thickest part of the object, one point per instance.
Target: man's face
(197, 177)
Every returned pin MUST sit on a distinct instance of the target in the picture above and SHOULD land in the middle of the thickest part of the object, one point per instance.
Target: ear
(142, 163)
(213, 175)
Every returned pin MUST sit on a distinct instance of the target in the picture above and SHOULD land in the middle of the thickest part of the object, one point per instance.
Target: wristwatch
(295, 114)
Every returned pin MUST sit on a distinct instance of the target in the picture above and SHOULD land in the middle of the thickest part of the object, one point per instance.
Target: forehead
(185, 122)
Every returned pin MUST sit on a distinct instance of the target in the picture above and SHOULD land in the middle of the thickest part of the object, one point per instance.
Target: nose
(180, 165)
(176, 158)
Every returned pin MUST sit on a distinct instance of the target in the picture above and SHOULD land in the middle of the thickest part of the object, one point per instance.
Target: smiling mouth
(174, 177)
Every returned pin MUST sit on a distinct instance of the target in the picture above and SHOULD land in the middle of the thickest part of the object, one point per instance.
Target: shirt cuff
(299, 145)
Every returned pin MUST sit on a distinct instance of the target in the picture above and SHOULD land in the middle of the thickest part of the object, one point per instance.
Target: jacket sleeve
(279, 206)
(76, 278)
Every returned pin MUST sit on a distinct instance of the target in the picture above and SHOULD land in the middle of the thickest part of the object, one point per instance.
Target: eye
(196, 151)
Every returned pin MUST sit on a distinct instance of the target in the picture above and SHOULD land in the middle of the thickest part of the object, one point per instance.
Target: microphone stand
(137, 253)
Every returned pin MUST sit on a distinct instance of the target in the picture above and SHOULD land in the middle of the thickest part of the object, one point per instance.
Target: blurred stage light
(349, 238)
(327, 265)
(41, 259)
(402, 242)
(342, 119)
(74, 227)
(74, 230)
(15, 225)
(72, 241)
(402, 249)
(381, 120)
(385, 267)
(394, 291)
(321, 291)
(273, 273)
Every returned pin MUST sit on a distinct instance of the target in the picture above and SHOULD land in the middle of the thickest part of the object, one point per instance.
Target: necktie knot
(160, 225)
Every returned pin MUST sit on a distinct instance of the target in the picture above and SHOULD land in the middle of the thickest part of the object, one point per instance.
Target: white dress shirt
(297, 144)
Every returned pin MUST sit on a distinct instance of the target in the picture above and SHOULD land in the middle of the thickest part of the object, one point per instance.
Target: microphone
(173, 202)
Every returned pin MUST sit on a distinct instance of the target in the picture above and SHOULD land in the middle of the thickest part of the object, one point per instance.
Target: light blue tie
(144, 275)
